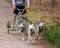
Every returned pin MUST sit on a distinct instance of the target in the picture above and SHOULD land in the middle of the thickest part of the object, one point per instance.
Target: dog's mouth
(22, 29)
(41, 29)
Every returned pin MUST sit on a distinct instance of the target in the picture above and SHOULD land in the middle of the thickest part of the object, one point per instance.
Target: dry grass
(9, 0)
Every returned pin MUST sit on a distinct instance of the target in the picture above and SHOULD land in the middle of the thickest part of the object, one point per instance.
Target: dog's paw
(33, 42)
(39, 37)
(22, 39)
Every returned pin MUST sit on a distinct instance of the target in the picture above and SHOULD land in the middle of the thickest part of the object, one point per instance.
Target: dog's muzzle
(40, 28)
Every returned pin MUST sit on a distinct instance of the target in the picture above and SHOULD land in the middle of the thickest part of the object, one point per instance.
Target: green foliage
(52, 34)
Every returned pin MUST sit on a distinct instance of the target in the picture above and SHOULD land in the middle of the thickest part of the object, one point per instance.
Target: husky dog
(31, 33)
(21, 30)
(40, 26)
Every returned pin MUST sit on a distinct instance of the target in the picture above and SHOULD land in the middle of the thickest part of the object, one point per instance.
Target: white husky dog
(31, 33)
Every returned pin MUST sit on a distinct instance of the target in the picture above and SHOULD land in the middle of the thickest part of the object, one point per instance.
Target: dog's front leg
(29, 36)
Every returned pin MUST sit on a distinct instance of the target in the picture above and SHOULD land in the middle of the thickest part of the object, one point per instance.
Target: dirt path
(12, 40)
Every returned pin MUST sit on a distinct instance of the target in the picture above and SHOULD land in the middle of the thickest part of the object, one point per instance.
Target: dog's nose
(31, 29)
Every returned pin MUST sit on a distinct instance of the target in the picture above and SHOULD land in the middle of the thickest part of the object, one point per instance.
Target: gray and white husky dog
(21, 30)
(40, 27)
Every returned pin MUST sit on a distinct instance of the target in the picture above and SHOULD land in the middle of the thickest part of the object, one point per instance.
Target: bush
(52, 34)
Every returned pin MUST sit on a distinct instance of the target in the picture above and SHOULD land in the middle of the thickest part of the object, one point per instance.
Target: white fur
(41, 24)
(31, 26)
(21, 25)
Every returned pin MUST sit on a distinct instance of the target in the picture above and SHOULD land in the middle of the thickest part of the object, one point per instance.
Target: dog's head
(21, 25)
(40, 26)
(31, 26)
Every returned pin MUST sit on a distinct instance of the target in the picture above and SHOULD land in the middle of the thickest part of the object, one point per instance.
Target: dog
(21, 30)
(40, 27)
(31, 33)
